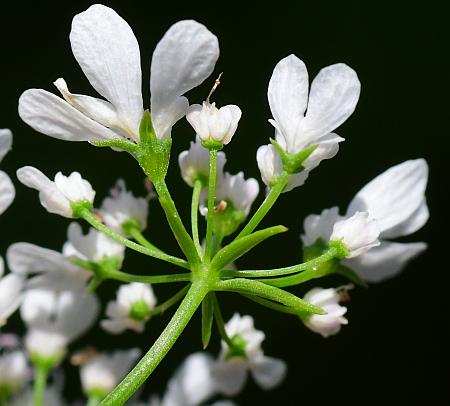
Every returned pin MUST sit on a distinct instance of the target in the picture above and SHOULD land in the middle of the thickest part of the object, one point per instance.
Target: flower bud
(325, 324)
(358, 234)
(213, 124)
(58, 196)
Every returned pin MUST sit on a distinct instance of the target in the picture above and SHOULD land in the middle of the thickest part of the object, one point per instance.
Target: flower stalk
(40, 383)
(160, 348)
(266, 205)
(211, 200)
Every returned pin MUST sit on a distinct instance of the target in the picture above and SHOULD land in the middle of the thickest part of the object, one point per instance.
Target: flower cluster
(59, 292)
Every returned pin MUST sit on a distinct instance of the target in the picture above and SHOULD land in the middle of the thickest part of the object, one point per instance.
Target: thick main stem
(40, 382)
(211, 200)
(266, 205)
(160, 348)
(173, 218)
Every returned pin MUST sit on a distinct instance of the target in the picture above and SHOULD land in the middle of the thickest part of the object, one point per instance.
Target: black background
(397, 336)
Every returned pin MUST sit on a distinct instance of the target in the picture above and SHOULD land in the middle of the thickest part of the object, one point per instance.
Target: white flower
(11, 295)
(230, 371)
(7, 191)
(107, 51)
(14, 370)
(122, 207)
(54, 271)
(236, 191)
(301, 120)
(93, 246)
(103, 372)
(54, 319)
(131, 308)
(271, 168)
(396, 200)
(211, 123)
(330, 323)
(320, 226)
(357, 233)
(58, 196)
(194, 163)
(192, 383)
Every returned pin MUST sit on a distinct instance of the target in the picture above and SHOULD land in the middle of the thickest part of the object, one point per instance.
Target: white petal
(74, 187)
(98, 110)
(195, 162)
(231, 115)
(296, 180)
(25, 258)
(385, 261)
(332, 99)
(78, 314)
(116, 326)
(288, 95)
(320, 226)
(239, 191)
(107, 50)
(393, 197)
(10, 295)
(268, 372)
(192, 384)
(269, 163)
(53, 116)
(230, 376)
(122, 206)
(38, 307)
(105, 370)
(5, 142)
(182, 60)
(414, 222)
(7, 191)
(357, 233)
(46, 343)
(93, 246)
(2, 267)
(326, 149)
(49, 195)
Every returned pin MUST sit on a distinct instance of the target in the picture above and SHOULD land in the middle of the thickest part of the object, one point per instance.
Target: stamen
(344, 296)
(216, 84)
(220, 207)
(82, 356)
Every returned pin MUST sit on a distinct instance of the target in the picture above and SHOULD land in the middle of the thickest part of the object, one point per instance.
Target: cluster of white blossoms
(58, 292)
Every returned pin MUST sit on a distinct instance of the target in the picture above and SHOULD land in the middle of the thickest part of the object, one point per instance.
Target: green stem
(326, 256)
(256, 288)
(211, 201)
(160, 348)
(266, 205)
(219, 321)
(137, 235)
(40, 382)
(89, 217)
(184, 240)
(153, 279)
(299, 278)
(194, 215)
(272, 305)
(169, 302)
